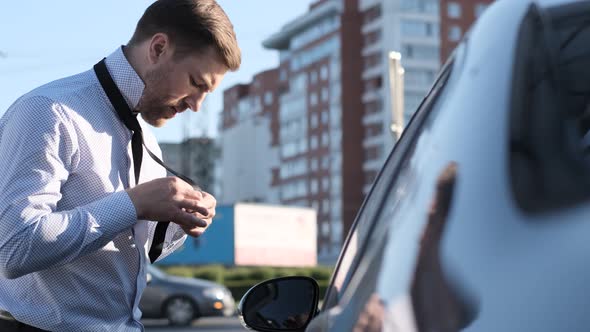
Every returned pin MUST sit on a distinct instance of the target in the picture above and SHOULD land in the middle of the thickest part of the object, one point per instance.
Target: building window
(313, 99)
(324, 94)
(283, 75)
(372, 85)
(324, 72)
(314, 186)
(325, 229)
(373, 130)
(325, 184)
(418, 76)
(455, 33)
(314, 164)
(372, 60)
(325, 117)
(373, 152)
(313, 77)
(422, 52)
(454, 10)
(314, 142)
(414, 28)
(371, 38)
(326, 163)
(314, 120)
(421, 6)
(371, 14)
(480, 8)
(375, 106)
(268, 98)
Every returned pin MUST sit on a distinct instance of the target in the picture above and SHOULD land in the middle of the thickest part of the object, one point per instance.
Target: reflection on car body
(478, 221)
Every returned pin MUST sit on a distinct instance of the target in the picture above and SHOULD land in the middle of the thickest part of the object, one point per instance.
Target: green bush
(263, 273)
(181, 271)
(239, 279)
(321, 273)
(237, 273)
(239, 287)
(211, 272)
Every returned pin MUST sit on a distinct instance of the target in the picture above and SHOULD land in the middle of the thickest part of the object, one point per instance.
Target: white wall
(246, 162)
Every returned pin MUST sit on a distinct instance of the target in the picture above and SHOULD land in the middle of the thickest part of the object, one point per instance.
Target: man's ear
(159, 47)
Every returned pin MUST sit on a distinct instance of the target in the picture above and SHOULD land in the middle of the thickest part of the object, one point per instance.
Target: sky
(41, 41)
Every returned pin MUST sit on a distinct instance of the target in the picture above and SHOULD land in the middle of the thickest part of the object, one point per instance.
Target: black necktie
(130, 121)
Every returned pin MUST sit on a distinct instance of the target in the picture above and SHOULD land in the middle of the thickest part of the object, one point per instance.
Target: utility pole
(396, 84)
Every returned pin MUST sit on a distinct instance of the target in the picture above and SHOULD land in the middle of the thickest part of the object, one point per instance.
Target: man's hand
(171, 199)
(209, 202)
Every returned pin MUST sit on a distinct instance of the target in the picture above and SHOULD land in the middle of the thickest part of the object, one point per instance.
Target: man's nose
(194, 101)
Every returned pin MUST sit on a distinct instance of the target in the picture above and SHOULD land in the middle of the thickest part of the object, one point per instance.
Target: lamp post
(396, 84)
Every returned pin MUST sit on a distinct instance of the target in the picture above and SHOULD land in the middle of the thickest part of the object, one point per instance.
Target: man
(75, 192)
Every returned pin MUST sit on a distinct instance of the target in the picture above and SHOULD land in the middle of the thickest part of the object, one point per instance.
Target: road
(213, 324)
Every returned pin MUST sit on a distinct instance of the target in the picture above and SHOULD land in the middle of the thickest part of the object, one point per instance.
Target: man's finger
(193, 206)
(194, 231)
(188, 220)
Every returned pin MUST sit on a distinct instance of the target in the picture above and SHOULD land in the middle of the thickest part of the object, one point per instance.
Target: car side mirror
(148, 278)
(280, 304)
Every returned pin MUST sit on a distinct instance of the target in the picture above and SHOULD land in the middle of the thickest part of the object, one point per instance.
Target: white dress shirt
(72, 252)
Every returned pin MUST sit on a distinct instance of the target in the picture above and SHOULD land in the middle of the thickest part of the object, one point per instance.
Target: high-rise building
(320, 109)
(409, 27)
(456, 17)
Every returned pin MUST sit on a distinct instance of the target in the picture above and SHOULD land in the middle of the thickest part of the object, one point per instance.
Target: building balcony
(373, 118)
(374, 71)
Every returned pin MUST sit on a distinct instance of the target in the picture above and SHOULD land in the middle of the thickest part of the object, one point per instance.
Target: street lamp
(396, 84)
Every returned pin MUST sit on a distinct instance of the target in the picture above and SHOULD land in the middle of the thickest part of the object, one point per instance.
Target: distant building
(249, 141)
(456, 17)
(195, 158)
(320, 112)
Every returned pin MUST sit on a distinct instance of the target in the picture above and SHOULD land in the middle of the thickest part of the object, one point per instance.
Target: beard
(153, 105)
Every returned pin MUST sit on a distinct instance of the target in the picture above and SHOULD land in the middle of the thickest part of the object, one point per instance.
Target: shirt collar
(126, 78)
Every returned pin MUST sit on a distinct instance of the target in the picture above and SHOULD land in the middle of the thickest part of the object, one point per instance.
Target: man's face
(174, 85)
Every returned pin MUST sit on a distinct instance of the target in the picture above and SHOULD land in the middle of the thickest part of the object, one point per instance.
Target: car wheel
(180, 311)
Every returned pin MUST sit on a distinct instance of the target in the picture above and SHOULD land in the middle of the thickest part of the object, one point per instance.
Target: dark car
(480, 218)
(181, 300)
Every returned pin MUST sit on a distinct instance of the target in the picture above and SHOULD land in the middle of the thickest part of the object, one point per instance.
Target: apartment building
(320, 109)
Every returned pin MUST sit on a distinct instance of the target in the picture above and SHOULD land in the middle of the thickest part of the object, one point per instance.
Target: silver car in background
(181, 300)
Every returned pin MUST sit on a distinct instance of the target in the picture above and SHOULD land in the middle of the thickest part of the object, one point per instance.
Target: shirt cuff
(112, 214)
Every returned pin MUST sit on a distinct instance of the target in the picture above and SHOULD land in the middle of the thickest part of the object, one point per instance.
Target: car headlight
(214, 293)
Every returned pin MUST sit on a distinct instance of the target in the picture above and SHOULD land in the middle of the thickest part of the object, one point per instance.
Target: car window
(356, 242)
